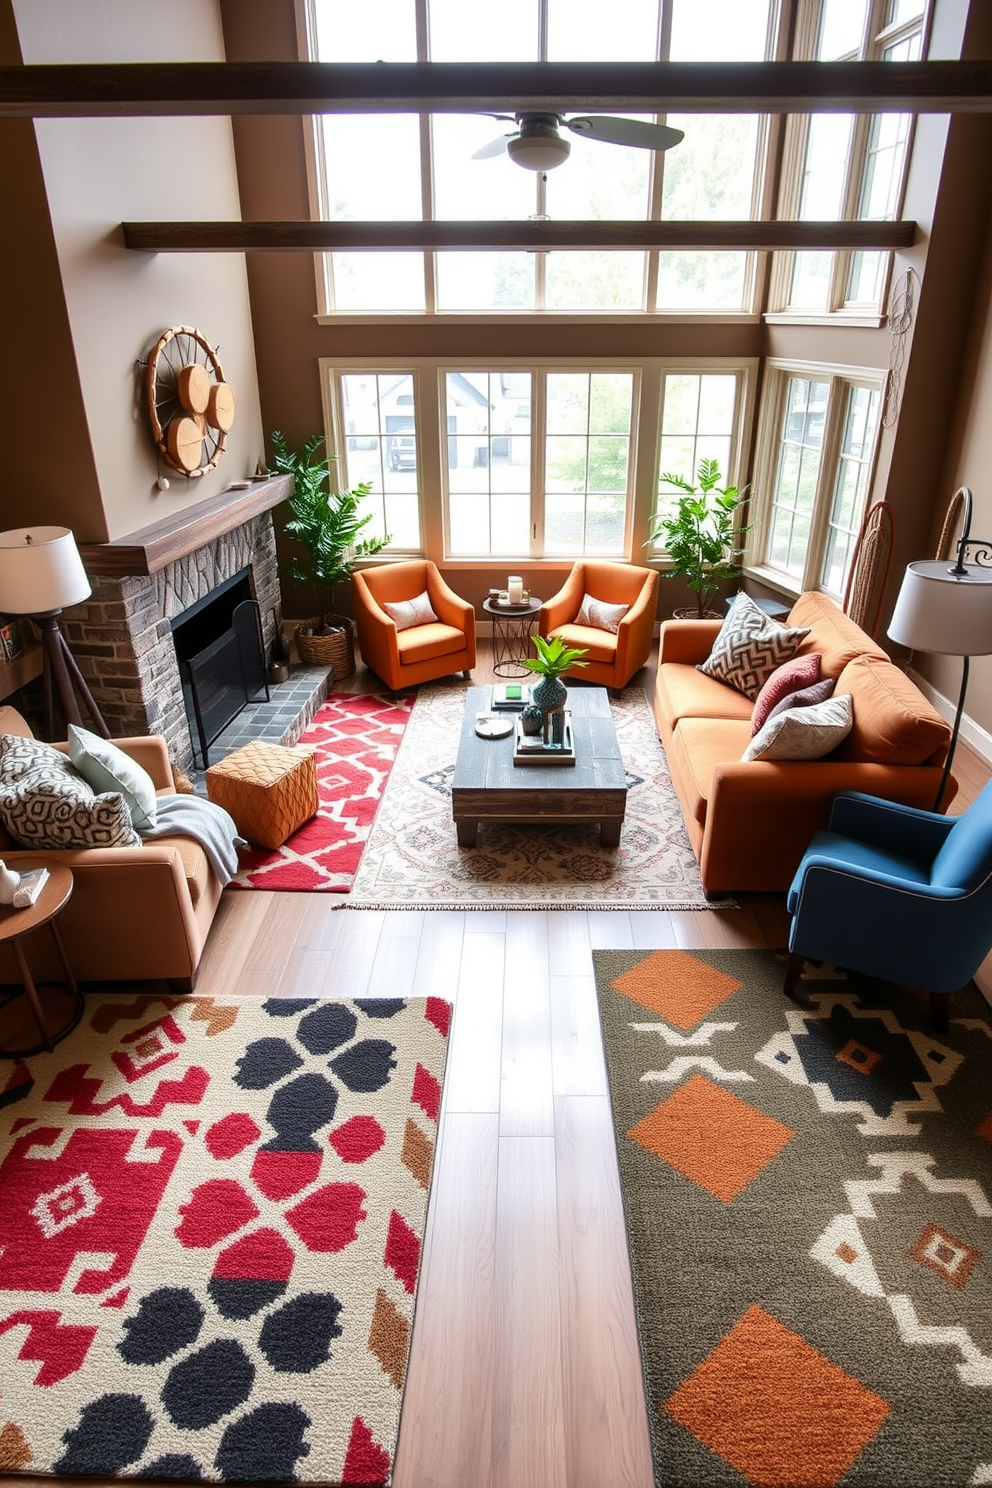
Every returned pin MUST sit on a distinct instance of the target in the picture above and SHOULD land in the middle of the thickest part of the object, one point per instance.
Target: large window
(473, 462)
(847, 166)
(817, 447)
(407, 167)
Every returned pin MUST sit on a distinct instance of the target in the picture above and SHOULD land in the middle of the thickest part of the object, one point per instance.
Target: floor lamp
(41, 574)
(946, 609)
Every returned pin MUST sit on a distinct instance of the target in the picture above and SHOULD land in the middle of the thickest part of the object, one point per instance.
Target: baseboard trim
(972, 732)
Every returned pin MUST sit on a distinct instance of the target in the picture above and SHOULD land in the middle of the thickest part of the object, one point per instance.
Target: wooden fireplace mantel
(182, 533)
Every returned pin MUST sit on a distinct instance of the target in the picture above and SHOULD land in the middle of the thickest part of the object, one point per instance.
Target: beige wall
(970, 464)
(98, 172)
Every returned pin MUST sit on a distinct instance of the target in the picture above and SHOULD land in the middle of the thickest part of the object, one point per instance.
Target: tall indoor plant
(702, 535)
(328, 525)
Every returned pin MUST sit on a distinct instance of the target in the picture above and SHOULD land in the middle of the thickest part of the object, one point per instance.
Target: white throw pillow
(107, 768)
(408, 612)
(804, 733)
(599, 615)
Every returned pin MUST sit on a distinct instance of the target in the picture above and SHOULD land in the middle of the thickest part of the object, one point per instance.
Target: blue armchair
(896, 892)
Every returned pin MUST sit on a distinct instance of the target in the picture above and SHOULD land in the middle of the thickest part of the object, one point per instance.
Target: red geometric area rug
(211, 1221)
(808, 1201)
(354, 740)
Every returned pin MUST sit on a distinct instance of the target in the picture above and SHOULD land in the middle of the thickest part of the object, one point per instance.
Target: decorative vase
(532, 718)
(550, 695)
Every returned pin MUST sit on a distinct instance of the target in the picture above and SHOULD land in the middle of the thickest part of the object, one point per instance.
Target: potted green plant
(328, 525)
(553, 658)
(702, 535)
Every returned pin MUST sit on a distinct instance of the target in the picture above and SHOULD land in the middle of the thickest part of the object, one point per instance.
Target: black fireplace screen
(221, 658)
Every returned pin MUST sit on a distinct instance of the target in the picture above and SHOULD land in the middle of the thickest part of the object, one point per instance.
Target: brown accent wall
(96, 173)
(49, 472)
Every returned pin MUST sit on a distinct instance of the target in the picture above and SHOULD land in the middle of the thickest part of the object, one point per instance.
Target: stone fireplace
(121, 636)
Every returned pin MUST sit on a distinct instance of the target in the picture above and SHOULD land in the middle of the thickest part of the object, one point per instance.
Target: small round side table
(14, 925)
(512, 626)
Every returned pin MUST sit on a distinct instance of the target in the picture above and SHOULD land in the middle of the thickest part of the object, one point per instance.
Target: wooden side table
(511, 635)
(14, 925)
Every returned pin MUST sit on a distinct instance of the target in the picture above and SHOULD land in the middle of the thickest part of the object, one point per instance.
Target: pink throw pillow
(791, 676)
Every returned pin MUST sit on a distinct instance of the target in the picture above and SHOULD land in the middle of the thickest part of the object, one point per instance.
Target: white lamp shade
(943, 612)
(40, 571)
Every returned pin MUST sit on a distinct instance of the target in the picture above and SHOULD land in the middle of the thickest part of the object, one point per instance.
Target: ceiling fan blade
(616, 131)
(494, 147)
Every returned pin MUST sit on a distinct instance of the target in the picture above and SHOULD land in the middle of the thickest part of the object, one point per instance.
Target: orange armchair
(612, 659)
(402, 658)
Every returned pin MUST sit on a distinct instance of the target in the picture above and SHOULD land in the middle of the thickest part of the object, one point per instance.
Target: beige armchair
(612, 659)
(136, 913)
(421, 653)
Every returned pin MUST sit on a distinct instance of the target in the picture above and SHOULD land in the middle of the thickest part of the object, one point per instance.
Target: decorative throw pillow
(19, 755)
(104, 767)
(51, 808)
(408, 612)
(749, 647)
(791, 676)
(804, 733)
(807, 697)
(599, 615)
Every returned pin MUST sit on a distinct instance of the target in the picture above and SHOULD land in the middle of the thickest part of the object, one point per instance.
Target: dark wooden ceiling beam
(314, 237)
(107, 89)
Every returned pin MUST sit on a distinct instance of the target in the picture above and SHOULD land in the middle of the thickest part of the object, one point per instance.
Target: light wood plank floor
(524, 1370)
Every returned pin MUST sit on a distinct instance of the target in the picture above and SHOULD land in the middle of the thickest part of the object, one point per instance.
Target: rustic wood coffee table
(489, 787)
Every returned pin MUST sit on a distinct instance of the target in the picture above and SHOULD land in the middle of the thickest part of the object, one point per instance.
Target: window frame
(875, 39)
(778, 374)
(755, 276)
(645, 440)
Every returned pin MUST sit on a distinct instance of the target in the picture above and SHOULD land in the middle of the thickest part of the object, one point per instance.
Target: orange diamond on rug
(712, 1137)
(677, 986)
(777, 1409)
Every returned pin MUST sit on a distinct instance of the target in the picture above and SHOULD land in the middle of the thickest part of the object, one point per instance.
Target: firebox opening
(221, 657)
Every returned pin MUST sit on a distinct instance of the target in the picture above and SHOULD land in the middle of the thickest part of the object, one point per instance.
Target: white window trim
(755, 263)
(427, 373)
(778, 372)
(838, 310)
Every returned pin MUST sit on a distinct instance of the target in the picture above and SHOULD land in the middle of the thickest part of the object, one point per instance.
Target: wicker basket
(336, 649)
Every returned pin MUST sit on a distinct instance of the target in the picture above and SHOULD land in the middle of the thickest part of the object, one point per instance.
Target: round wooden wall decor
(190, 405)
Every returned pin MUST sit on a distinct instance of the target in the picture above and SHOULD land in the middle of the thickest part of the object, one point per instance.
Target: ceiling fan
(537, 144)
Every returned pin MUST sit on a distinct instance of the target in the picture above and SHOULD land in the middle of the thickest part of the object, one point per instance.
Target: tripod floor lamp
(41, 574)
(946, 608)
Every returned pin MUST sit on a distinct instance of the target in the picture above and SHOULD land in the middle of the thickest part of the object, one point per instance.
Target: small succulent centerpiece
(328, 525)
(553, 658)
(701, 535)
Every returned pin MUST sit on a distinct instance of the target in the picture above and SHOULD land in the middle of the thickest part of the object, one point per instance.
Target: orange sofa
(136, 913)
(750, 822)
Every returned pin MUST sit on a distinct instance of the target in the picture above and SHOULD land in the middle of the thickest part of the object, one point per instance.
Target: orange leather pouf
(269, 789)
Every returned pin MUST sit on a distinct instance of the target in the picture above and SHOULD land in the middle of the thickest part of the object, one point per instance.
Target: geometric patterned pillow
(18, 755)
(51, 807)
(749, 647)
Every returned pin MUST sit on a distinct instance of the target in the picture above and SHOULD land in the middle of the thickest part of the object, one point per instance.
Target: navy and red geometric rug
(354, 740)
(808, 1200)
(211, 1222)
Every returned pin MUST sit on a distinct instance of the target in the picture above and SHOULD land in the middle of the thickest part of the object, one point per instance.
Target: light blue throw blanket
(208, 824)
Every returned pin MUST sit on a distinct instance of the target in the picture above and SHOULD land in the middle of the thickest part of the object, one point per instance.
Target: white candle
(515, 589)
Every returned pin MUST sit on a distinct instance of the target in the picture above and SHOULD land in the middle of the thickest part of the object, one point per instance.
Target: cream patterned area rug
(412, 857)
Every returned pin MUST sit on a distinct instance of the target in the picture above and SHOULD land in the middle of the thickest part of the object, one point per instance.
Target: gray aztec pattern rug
(808, 1201)
(412, 857)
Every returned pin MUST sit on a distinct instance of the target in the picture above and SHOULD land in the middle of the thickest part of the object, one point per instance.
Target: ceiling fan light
(538, 152)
